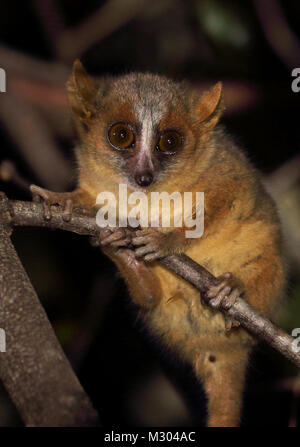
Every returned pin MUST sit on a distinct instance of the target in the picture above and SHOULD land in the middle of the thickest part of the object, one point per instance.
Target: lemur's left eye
(121, 136)
(169, 142)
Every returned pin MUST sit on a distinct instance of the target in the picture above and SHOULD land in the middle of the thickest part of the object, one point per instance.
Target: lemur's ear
(208, 108)
(82, 91)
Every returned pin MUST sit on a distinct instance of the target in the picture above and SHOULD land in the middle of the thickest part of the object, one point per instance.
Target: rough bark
(34, 368)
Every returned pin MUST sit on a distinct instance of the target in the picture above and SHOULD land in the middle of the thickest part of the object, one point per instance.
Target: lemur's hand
(67, 200)
(112, 239)
(155, 243)
(53, 198)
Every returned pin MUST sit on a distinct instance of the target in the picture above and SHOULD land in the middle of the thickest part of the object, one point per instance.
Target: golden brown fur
(242, 230)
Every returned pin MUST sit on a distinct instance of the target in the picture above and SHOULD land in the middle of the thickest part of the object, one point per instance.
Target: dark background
(252, 46)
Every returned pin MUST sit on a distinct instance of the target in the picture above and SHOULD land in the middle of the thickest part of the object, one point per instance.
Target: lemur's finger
(115, 236)
(47, 210)
(142, 251)
(141, 240)
(230, 323)
(153, 256)
(67, 213)
(230, 299)
(121, 243)
(214, 290)
(217, 301)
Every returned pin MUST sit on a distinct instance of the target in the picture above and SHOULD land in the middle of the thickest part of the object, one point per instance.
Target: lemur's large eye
(121, 136)
(169, 142)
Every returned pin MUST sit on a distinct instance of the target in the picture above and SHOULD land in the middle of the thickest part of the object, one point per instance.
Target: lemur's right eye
(121, 136)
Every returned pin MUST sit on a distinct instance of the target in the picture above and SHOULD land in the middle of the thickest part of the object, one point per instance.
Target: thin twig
(51, 19)
(278, 32)
(31, 214)
(31, 133)
(9, 173)
(100, 24)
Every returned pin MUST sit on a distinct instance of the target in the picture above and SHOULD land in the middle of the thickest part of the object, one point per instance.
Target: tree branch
(34, 369)
(285, 43)
(31, 214)
(20, 117)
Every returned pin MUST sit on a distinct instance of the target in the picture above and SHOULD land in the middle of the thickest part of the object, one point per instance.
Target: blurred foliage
(225, 23)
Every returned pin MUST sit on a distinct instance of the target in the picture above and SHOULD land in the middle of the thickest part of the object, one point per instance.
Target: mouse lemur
(153, 134)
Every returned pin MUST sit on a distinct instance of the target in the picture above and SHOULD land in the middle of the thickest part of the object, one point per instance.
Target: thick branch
(34, 369)
(31, 214)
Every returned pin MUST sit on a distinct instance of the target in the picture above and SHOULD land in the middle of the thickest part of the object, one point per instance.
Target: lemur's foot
(223, 295)
(53, 198)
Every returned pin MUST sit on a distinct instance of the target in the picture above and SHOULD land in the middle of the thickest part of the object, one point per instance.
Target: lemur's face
(147, 126)
(142, 125)
(144, 148)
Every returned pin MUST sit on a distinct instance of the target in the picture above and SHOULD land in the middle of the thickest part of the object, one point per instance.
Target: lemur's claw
(67, 213)
(230, 323)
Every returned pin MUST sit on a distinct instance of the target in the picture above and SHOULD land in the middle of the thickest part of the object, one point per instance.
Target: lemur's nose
(144, 179)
